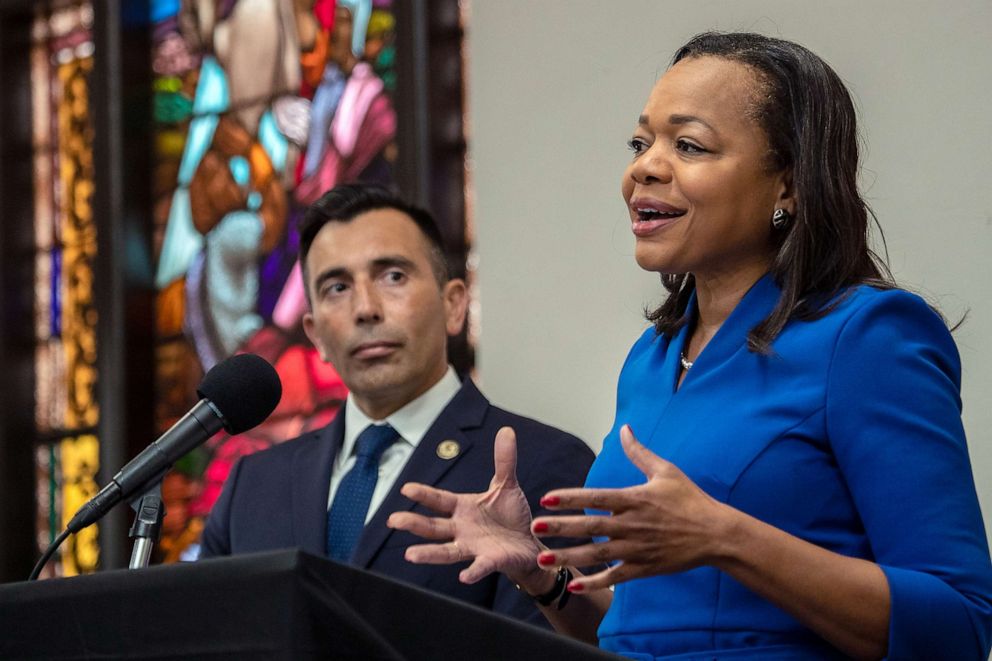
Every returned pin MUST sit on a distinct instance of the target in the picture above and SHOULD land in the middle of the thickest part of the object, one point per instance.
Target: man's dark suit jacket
(277, 498)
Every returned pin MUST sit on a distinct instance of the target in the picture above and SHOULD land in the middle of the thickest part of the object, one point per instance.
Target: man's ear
(308, 328)
(455, 295)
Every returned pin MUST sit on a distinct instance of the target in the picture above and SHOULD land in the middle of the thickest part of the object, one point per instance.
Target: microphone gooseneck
(236, 395)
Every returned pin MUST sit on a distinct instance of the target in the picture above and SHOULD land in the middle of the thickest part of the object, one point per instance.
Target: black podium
(280, 605)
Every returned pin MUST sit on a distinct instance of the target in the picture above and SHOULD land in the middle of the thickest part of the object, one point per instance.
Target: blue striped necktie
(346, 518)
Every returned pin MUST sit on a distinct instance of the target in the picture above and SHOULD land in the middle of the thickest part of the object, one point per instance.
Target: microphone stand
(149, 513)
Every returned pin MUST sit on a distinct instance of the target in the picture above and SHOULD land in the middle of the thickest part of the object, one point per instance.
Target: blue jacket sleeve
(894, 422)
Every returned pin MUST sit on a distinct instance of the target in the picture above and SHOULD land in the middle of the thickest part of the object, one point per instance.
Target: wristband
(558, 591)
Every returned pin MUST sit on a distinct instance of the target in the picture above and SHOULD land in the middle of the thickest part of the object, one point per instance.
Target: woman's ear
(787, 198)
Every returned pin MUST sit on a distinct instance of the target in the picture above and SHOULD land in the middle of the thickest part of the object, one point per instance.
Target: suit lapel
(312, 477)
(466, 410)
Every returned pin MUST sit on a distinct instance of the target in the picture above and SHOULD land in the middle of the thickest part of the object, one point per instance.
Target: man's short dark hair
(343, 203)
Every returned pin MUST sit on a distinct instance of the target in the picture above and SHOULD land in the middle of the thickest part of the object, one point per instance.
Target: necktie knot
(373, 441)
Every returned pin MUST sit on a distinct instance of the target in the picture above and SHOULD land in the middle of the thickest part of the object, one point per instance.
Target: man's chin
(375, 381)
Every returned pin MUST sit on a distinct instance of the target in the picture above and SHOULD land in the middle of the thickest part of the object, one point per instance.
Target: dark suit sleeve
(547, 459)
(216, 538)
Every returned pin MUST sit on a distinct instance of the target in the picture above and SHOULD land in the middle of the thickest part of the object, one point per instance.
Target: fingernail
(540, 526)
(546, 558)
(550, 501)
(575, 586)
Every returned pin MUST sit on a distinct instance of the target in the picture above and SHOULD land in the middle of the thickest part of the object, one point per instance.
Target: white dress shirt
(411, 422)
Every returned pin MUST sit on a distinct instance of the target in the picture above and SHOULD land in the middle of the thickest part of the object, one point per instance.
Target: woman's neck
(716, 298)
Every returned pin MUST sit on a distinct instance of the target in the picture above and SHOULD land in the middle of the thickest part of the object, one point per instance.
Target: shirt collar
(411, 422)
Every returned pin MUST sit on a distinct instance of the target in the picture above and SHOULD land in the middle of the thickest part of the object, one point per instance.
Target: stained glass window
(65, 237)
(260, 107)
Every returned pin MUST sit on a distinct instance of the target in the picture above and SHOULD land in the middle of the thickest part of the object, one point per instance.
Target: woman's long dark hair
(809, 120)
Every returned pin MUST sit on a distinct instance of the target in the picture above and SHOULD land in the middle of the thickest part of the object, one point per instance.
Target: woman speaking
(787, 475)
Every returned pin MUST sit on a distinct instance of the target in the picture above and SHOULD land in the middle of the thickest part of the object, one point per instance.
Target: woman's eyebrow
(643, 120)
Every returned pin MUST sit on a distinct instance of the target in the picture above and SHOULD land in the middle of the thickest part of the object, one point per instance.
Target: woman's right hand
(491, 529)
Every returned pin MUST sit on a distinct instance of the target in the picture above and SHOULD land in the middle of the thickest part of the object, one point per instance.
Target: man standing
(381, 309)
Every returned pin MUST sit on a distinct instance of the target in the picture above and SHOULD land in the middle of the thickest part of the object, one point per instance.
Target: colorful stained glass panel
(65, 243)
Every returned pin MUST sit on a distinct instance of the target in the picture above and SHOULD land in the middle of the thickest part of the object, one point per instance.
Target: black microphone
(237, 394)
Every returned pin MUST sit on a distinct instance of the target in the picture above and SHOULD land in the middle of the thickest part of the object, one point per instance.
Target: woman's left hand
(663, 526)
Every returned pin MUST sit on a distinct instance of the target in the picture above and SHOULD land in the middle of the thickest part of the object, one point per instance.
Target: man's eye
(334, 288)
(395, 276)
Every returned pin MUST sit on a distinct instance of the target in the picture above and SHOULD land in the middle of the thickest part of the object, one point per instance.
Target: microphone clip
(149, 514)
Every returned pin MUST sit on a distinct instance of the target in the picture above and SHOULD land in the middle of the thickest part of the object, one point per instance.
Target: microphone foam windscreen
(244, 388)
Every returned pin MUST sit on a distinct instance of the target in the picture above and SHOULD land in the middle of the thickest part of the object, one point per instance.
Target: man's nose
(366, 303)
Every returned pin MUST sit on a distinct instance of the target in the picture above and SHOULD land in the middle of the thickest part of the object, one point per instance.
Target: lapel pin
(448, 449)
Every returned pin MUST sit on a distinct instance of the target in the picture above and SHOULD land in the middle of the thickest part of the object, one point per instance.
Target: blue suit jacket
(277, 498)
(847, 435)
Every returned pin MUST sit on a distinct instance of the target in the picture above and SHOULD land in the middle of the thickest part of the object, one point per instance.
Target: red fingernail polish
(550, 501)
(546, 558)
(540, 526)
(575, 586)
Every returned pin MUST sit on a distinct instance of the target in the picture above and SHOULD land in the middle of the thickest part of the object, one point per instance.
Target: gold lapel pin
(448, 449)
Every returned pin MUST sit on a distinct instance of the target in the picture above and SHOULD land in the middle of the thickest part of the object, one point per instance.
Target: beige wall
(555, 90)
